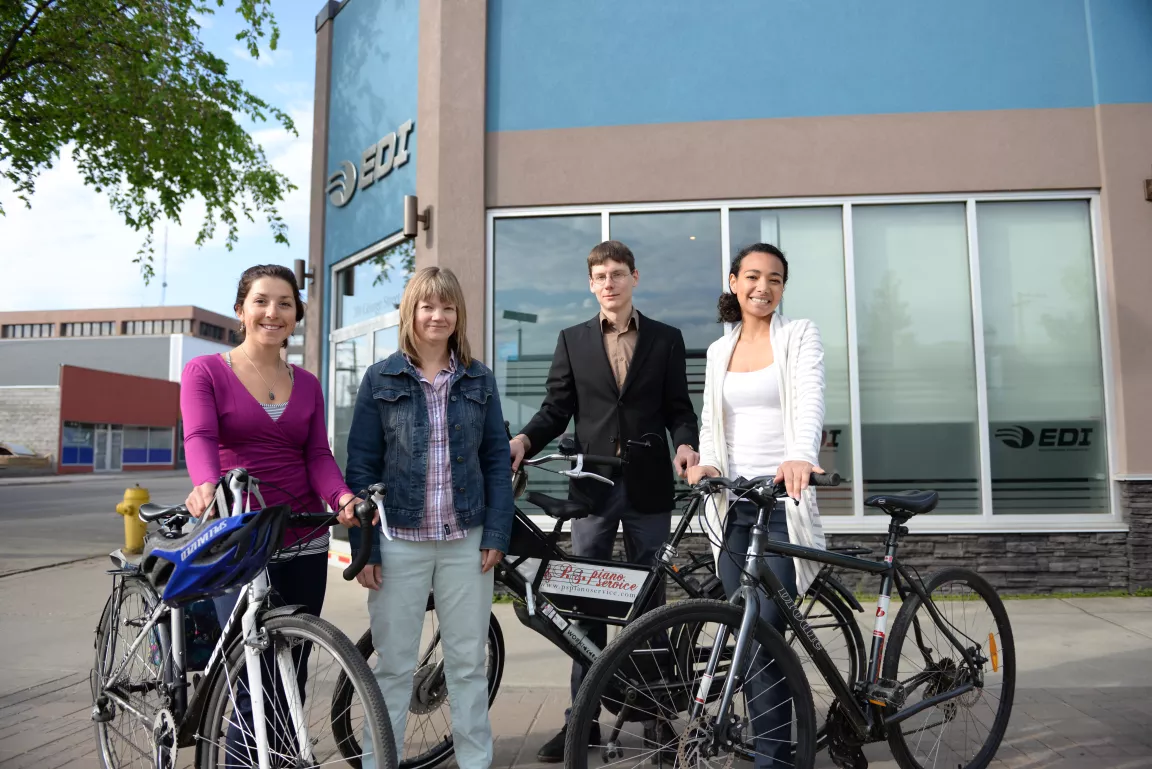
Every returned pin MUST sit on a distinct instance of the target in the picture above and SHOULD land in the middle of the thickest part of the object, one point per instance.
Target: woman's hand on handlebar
(201, 498)
(698, 472)
(346, 512)
(795, 473)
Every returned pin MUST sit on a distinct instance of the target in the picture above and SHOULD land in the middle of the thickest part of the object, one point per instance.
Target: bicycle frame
(748, 596)
(562, 624)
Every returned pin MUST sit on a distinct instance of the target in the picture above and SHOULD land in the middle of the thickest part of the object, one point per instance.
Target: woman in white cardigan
(763, 415)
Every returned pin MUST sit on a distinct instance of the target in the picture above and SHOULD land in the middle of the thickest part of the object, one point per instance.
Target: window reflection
(917, 365)
(352, 360)
(1042, 348)
(374, 287)
(812, 239)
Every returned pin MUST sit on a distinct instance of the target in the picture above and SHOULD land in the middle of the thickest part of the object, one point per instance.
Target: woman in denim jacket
(428, 425)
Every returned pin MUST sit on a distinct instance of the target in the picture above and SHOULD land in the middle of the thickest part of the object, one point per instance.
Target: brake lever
(578, 472)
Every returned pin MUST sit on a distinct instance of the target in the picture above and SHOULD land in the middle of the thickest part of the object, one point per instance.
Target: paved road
(49, 520)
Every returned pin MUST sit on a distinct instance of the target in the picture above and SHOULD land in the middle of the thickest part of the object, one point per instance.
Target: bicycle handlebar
(764, 485)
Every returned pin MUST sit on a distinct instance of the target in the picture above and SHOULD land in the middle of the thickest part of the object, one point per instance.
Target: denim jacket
(388, 443)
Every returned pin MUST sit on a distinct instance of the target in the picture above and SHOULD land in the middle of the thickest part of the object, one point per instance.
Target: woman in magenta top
(248, 408)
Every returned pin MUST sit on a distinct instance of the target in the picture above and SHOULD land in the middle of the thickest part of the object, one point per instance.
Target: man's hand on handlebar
(697, 473)
(517, 446)
(201, 498)
(685, 459)
(795, 473)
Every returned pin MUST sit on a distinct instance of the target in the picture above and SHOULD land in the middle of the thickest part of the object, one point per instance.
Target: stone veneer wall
(1136, 501)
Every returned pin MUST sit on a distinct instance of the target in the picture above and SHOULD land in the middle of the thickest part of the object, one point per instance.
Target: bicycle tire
(317, 632)
(445, 748)
(1006, 651)
(130, 587)
(693, 611)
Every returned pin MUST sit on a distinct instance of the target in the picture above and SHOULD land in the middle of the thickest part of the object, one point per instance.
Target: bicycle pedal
(886, 693)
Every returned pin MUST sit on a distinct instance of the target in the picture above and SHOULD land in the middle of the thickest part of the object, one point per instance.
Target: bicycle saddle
(906, 504)
(560, 509)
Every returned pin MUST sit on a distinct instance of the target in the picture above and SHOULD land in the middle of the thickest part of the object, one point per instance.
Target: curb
(49, 480)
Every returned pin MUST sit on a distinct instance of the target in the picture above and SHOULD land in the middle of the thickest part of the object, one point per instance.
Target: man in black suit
(622, 376)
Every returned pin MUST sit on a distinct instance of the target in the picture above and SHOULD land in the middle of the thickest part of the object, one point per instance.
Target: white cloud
(281, 57)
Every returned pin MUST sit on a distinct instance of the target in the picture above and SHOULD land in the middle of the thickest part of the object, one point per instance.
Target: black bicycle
(938, 687)
(554, 592)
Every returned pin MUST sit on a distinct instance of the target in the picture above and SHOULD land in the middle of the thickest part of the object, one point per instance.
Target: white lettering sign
(376, 162)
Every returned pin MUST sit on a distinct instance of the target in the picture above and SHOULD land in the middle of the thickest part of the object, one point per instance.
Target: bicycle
(148, 704)
(913, 683)
(552, 592)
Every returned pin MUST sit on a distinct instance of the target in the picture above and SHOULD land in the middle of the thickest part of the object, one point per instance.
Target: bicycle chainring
(164, 739)
(844, 748)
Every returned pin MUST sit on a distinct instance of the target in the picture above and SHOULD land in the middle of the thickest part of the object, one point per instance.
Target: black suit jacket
(653, 400)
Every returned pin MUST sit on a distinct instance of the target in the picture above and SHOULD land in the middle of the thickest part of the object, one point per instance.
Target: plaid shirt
(439, 521)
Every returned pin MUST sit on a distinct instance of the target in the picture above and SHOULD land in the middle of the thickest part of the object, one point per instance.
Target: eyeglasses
(616, 277)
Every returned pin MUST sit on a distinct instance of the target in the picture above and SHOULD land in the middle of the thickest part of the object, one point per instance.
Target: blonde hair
(441, 283)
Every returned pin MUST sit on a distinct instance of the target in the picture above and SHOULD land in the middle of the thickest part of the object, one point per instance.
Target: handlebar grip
(364, 512)
(825, 479)
(592, 459)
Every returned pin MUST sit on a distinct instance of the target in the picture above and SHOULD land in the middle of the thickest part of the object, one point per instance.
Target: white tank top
(753, 422)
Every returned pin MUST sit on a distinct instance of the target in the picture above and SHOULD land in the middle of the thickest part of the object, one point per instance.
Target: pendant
(271, 395)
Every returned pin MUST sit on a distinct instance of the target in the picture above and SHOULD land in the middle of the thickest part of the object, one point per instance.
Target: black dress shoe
(553, 750)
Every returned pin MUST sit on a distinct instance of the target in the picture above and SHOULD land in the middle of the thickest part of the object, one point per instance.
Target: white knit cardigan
(799, 357)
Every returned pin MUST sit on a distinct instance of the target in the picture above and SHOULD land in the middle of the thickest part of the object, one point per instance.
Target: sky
(71, 251)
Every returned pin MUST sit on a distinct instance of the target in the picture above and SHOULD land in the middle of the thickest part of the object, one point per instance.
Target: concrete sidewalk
(1083, 695)
(119, 479)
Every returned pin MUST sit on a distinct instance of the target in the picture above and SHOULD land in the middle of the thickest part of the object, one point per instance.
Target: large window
(917, 368)
(78, 444)
(962, 342)
(1042, 353)
(147, 446)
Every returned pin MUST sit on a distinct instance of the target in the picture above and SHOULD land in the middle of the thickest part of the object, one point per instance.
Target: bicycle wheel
(130, 709)
(428, 741)
(949, 734)
(652, 674)
(835, 625)
(316, 655)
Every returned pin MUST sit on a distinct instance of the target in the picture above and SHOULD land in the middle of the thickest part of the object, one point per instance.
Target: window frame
(986, 521)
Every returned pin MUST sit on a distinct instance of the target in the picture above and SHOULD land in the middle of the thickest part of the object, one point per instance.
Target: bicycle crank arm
(951, 694)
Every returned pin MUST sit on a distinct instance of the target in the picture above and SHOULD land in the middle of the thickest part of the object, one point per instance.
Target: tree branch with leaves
(152, 118)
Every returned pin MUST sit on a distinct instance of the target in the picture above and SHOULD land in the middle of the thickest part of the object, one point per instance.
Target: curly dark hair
(728, 305)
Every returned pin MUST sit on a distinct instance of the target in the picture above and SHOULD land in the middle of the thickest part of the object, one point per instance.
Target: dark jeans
(594, 537)
(303, 581)
(768, 701)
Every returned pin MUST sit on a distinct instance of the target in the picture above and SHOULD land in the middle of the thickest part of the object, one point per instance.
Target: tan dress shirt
(620, 344)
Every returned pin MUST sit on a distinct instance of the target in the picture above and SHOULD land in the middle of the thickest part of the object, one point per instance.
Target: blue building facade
(960, 189)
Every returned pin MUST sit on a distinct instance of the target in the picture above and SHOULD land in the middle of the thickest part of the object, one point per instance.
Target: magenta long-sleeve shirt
(225, 427)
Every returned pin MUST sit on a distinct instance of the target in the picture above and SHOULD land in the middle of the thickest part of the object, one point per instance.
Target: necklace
(271, 392)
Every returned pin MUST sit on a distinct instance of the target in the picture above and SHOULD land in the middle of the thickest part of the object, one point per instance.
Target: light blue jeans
(396, 611)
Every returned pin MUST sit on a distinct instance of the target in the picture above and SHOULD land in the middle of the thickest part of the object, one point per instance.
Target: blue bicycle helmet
(215, 556)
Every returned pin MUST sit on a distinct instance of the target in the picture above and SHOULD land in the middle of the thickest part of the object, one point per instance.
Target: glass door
(100, 460)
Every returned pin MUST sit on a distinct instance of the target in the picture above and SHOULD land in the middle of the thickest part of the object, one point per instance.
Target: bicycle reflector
(214, 557)
(995, 656)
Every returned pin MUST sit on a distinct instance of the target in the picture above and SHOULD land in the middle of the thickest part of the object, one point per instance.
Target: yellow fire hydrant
(134, 528)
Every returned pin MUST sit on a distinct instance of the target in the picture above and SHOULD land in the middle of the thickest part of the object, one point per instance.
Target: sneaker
(553, 751)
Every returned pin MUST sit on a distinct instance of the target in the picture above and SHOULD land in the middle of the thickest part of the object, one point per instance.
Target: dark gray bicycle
(938, 687)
